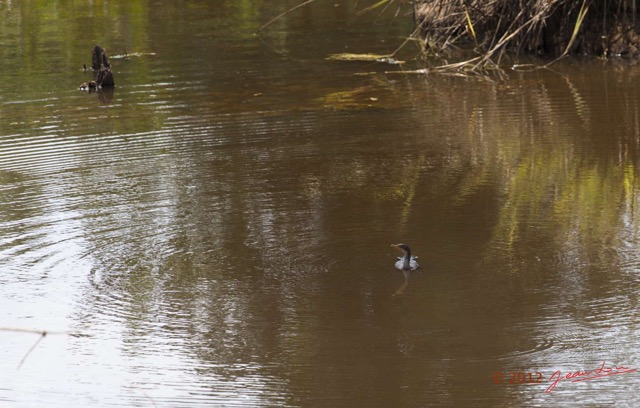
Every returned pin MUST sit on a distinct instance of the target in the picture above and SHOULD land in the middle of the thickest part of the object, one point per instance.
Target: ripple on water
(505, 351)
(590, 329)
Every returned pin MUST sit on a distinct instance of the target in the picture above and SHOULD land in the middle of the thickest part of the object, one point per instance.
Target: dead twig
(42, 334)
(284, 14)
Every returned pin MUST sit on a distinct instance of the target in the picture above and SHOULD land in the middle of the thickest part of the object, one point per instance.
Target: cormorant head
(403, 247)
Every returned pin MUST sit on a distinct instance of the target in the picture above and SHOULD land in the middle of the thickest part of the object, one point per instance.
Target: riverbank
(552, 28)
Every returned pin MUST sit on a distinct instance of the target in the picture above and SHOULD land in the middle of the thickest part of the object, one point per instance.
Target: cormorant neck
(406, 260)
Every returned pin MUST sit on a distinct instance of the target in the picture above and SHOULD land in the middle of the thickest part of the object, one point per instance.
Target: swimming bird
(406, 262)
(88, 86)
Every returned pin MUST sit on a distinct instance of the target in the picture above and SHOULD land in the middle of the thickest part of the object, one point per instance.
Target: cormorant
(406, 262)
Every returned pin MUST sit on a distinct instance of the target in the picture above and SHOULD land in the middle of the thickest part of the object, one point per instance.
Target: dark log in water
(104, 78)
(99, 58)
(102, 75)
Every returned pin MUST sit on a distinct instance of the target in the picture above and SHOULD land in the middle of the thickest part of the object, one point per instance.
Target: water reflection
(405, 283)
(221, 235)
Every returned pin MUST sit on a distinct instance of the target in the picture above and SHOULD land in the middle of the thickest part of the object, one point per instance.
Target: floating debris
(133, 54)
(387, 59)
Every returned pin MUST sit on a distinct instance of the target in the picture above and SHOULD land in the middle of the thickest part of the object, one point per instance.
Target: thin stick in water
(284, 14)
(42, 336)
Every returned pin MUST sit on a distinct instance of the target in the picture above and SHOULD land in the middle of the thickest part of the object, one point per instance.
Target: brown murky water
(217, 230)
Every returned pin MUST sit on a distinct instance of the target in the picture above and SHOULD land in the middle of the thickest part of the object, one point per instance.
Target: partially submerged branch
(41, 335)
